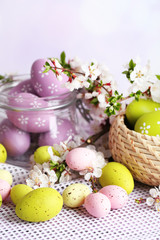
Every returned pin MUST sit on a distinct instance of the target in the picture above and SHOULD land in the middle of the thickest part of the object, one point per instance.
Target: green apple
(137, 108)
(3, 154)
(149, 124)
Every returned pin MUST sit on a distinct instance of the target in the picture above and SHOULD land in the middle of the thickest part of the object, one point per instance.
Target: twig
(92, 139)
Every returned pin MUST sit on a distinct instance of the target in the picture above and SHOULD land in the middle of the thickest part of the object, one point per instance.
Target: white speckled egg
(117, 196)
(59, 133)
(46, 84)
(75, 194)
(24, 86)
(80, 158)
(97, 204)
(16, 141)
(35, 121)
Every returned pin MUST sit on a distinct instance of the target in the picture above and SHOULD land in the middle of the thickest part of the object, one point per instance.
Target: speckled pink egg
(117, 196)
(35, 121)
(80, 158)
(97, 204)
(5, 189)
(47, 84)
(62, 130)
(16, 141)
(24, 86)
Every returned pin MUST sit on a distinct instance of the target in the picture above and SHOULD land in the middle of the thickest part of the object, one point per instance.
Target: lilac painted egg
(24, 86)
(47, 84)
(16, 141)
(63, 129)
(35, 121)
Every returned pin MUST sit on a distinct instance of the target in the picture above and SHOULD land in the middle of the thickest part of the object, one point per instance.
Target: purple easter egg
(24, 86)
(36, 120)
(60, 133)
(16, 141)
(47, 84)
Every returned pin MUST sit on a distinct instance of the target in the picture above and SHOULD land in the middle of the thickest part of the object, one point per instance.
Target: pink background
(112, 32)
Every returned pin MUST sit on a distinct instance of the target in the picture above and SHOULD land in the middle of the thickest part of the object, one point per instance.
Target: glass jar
(28, 121)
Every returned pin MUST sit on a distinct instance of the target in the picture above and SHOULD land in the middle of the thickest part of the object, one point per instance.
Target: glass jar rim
(58, 101)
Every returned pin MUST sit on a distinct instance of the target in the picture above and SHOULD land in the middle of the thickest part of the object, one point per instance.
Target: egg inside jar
(35, 112)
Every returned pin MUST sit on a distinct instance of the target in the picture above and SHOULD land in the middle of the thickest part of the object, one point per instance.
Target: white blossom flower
(142, 78)
(75, 63)
(102, 101)
(91, 71)
(150, 201)
(66, 175)
(155, 91)
(78, 82)
(41, 176)
(154, 199)
(97, 165)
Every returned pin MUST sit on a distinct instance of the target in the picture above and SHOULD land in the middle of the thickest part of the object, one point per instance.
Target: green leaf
(132, 64)
(94, 101)
(125, 72)
(63, 58)
(47, 64)
(1, 77)
(58, 174)
(158, 76)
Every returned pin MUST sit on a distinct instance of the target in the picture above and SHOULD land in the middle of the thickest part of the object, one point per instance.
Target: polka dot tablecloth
(133, 222)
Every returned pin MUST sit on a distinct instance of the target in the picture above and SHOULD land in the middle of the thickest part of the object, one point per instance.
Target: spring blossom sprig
(153, 199)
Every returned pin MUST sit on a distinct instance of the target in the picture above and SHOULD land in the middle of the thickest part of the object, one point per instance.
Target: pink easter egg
(117, 196)
(24, 86)
(5, 189)
(61, 131)
(97, 204)
(16, 141)
(36, 120)
(47, 84)
(80, 158)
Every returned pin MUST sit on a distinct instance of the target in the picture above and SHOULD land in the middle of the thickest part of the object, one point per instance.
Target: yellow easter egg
(39, 205)
(18, 192)
(42, 155)
(115, 173)
(3, 154)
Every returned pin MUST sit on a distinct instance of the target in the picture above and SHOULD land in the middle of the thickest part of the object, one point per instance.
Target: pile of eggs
(116, 181)
(144, 116)
(32, 112)
(41, 204)
(30, 205)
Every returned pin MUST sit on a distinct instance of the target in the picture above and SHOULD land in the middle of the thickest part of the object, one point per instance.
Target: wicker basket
(139, 153)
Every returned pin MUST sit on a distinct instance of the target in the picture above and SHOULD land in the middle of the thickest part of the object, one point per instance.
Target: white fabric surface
(133, 222)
